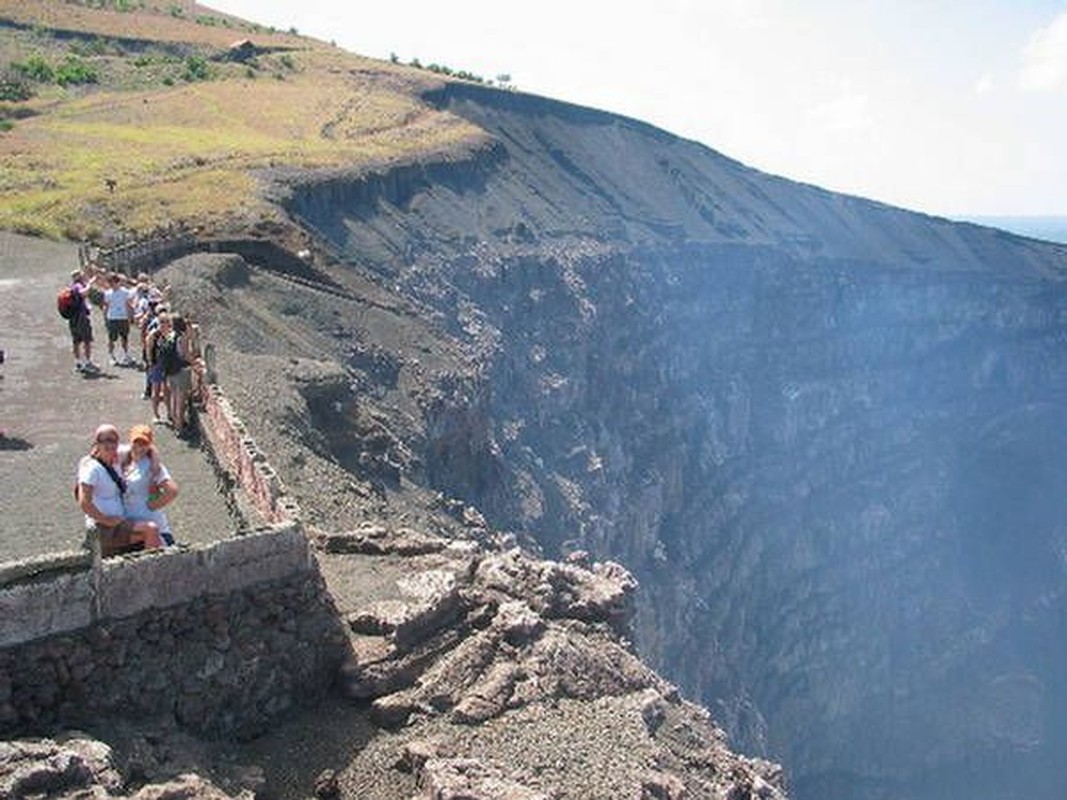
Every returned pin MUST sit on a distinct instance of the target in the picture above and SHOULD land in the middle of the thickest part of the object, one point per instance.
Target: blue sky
(954, 107)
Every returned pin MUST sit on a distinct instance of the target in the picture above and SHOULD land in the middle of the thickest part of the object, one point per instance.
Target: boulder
(431, 599)
(470, 779)
(45, 767)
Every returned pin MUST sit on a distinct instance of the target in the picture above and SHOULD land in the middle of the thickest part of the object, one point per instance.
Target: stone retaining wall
(237, 452)
(221, 638)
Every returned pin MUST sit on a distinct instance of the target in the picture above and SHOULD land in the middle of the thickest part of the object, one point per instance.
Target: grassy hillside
(141, 114)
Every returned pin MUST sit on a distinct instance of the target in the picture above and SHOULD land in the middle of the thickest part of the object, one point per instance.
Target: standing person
(118, 309)
(81, 327)
(158, 332)
(149, 486)
(144, 312)
(100, 492)
(174, 355)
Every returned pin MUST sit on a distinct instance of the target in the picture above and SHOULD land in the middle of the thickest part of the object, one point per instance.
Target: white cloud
(984, 85)
(850, 112)
(1045, 58)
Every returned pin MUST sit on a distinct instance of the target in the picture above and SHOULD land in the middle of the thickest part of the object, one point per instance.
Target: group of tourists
(136, 308)
(123, 486)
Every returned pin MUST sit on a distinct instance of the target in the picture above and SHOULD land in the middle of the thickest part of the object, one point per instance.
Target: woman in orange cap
(149, 486)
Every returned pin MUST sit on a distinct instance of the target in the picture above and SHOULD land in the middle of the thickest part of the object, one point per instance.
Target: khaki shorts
(117, 540)
(181, 381)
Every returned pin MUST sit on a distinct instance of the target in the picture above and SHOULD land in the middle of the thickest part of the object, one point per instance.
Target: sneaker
(146, 395)
(90, 367)
(79, 367)
(114, 362)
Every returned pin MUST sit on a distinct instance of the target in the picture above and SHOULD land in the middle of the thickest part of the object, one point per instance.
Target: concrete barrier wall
(220, 638)
(53, 601)
(68, 595)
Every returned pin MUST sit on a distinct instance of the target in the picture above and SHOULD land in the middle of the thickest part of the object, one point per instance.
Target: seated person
(149, 486)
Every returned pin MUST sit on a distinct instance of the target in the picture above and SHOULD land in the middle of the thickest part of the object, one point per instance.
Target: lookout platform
(48, 412)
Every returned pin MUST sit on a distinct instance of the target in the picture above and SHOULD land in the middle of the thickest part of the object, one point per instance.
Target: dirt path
(48, 412)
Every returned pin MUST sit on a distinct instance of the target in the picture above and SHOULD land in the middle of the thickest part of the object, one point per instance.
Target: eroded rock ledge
(486, 674)
(477, 645)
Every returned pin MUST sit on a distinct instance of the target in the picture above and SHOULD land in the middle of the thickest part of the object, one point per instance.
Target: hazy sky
(954, 107)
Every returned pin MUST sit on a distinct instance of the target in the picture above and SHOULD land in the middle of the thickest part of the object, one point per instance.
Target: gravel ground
(48, 413)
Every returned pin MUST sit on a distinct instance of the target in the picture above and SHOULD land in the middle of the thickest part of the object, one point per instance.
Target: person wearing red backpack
(81, 328)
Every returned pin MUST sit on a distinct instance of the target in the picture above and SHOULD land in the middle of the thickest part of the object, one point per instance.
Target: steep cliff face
(826, 434)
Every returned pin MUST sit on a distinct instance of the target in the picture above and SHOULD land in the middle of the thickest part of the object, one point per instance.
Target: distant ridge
(1051, 229)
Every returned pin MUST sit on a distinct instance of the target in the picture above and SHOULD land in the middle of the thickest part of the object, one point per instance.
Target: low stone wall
(237, 452)
(221, 638)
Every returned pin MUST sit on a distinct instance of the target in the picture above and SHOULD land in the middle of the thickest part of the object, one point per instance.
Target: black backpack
(169, 355)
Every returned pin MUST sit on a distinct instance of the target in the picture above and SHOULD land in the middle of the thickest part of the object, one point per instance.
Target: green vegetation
(71, 71)
(14, 88)
(74, 71)
(35, 68)
(207, 19)
(441, 69)
(196, 69)
(184, 135)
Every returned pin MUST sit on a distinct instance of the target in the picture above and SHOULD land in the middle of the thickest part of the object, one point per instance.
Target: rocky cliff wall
(822, 432)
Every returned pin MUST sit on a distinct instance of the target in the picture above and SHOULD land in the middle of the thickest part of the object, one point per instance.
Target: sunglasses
(108, 440)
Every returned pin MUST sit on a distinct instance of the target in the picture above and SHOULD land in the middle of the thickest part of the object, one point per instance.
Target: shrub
(196, 69)
(35, 68)
(287, 62)
(14, 88)
(6, 125)
(75, 71)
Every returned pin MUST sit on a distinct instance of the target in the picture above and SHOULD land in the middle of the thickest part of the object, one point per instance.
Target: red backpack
(66, 302)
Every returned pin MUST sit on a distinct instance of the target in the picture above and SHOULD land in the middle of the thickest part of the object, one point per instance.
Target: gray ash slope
(826, 434)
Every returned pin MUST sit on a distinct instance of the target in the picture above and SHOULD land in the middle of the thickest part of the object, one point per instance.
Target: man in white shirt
(118, 305)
